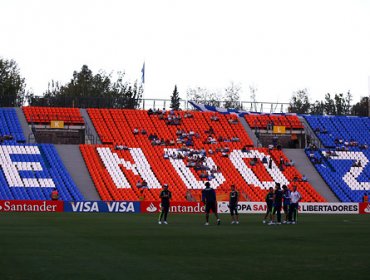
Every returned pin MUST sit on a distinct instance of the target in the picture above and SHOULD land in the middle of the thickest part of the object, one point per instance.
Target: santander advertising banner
(175, 207)
(364, 208)
(31, 206)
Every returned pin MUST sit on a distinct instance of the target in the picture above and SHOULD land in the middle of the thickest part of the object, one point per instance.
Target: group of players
(276, 200)
(282, 198)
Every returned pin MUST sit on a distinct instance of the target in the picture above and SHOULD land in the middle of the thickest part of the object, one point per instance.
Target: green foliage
(317, 108)
(299, 103)
(12, 84)
(339, 106)
(232, 96)
(361, 108)
(175, 99)
(204, 96)
(88, 90)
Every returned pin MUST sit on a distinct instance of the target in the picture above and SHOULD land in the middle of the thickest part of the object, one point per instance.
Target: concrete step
(75, 164)
(30, 137)
(92, 136)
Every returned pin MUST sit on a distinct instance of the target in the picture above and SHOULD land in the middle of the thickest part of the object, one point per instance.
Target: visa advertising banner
(102, 206)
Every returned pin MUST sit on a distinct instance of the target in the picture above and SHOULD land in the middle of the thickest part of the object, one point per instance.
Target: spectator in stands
(245, 149)
(214, 118)
(270, 162)
(365, 198)
(269, 199)
(136, 131)
(121, 147)
(357, 164)
(281, 161)
(270, 125)
(235, 139)
(270, 147)
(166, 155)
(150, 111)
(275, 141)
(264, 160)
(210, 131)
(139, 184)
(233, 121)
(189, 143)
(363, 146)
(55, 194)
(188, 115)
(203, 174)
(290, 163)
(304, 178)
(143, 131)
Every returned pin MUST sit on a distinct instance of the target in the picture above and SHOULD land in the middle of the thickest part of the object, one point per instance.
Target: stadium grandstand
(137, 151)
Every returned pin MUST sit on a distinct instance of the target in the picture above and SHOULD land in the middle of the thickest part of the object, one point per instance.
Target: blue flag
(143, 73)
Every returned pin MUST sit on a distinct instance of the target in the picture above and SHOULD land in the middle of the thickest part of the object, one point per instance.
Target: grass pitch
(133, 246)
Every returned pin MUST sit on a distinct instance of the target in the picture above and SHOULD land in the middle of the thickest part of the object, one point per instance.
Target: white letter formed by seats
(11, 169)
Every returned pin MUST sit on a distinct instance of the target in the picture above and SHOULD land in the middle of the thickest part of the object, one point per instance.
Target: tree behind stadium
(175, 99)
(12, 85)
(86, 90)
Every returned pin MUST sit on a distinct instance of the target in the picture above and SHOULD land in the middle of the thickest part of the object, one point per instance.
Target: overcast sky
(276, 46)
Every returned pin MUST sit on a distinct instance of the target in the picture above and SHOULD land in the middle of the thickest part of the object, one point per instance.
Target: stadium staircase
(303, 164)
(249, 131)
(30, 138)
(310, 133)
(90, 129)
(74, 163)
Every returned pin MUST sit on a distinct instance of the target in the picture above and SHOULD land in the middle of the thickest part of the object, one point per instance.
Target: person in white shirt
(295, 197)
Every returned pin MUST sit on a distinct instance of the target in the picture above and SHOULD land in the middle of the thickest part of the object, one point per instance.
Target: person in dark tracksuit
(210, 201)
(286, 203)
(278, 200)
(165, 197)
(233, 205)
(269, 203)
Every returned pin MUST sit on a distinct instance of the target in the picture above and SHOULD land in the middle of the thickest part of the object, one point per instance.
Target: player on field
(269, 203)
(165, 197)
(295, 197)
(278, 200)
(233, 205)
(209, 199)
(286, 203)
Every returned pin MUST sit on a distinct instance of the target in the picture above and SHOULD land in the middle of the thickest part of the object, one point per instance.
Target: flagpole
(143, 83)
